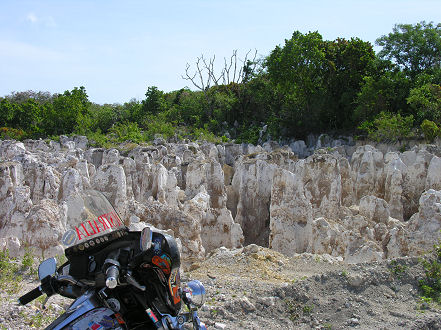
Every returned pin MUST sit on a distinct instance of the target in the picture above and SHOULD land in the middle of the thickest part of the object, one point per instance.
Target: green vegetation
(307, 309)
(13, 272)
(397, 269)
(10, 277)
(296, 310)
(387, 127)
(430, 285)
(307, 85)
(430, 130)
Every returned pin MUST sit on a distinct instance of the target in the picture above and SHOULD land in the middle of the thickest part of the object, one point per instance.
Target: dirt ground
(257, 288)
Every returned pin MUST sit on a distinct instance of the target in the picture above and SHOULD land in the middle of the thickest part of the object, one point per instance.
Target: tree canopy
(306, 85)
(414, 48)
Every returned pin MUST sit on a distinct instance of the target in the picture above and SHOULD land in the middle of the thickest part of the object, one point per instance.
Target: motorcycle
(120, 279)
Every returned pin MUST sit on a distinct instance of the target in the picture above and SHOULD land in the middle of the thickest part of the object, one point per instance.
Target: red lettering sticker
(104, 222)
(101, 224)
(84, 227)
(98, 229)
(118, 220)
(80, 233)
(93, 229)
(110, 220)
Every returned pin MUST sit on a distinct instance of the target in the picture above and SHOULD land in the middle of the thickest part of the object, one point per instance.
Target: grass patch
(397, 269)
(10, 276)
(430, 284)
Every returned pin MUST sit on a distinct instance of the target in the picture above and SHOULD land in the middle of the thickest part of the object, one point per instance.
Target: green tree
(103, 117)
(347, 63)
(193, 107)
(28, 117)
(430, 130)
(383, 91)
(25, 116)
(66, 113)
(260, 102)
(426, 102)
(6, 112)
(154, 102)
(296, 69)
(388, 127)
(415, 48)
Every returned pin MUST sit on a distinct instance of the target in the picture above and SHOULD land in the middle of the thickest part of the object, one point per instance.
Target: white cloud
(31, 17)
(47, 21)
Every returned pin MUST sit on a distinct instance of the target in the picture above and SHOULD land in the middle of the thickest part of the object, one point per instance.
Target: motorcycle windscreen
(90, 220)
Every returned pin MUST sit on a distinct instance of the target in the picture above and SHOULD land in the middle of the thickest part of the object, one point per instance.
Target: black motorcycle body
(120, 279)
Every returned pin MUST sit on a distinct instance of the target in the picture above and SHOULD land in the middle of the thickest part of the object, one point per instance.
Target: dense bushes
(308, 85)
(430, 130)
(430, 285)
(387, 127)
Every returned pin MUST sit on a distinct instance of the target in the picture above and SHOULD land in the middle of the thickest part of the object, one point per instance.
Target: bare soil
(257, 288)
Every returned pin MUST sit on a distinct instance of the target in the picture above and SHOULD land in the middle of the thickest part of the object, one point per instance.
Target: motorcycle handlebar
(31, 295)
(112, 274)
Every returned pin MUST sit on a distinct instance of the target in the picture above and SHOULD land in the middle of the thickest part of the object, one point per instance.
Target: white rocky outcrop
(291, 214)
(252, 185)
(358, 203)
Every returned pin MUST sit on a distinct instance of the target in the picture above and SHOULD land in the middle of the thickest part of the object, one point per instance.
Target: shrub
(126, 131)
(248, 135)
(426, 102)
(11, 133)
(158, 124)
(97, 139)
(430, 285)
(388, 127)
(430, 130)
(9, 277)
(203, 134)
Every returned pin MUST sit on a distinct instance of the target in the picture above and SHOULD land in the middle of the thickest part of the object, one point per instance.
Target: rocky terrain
(258, 288)
(332, 213)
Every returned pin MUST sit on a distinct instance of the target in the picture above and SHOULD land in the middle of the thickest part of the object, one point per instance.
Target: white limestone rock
(323, 185)
(417, 162)
(184, 226)
(299, 148)
(433, 178)
(252, 185)
(217, 225)
(44, 229)
(111, 156)
(291, 214)
(424, 226)
(12, 245)
(110, 179)
(12, 149)
(374, 209)
(395, 171)
(367, 172)
(207, 174)
(72, 182)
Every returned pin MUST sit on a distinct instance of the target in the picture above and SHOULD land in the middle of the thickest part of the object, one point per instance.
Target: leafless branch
(232, 72)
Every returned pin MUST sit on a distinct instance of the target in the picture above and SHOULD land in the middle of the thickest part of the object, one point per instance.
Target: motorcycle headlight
(195, 293)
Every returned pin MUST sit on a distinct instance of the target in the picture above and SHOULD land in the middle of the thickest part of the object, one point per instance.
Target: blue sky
(116, 49)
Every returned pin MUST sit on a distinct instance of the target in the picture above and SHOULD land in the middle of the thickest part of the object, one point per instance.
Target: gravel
(257, 288)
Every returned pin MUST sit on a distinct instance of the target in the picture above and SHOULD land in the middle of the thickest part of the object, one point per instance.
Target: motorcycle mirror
(146, 239)
(47, 267)
(195, 293)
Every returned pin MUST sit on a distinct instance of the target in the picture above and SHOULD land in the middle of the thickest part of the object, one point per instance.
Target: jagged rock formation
(357, 203)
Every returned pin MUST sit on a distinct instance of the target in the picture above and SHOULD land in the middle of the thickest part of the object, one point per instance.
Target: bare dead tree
(237, 73)
(205, 77)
